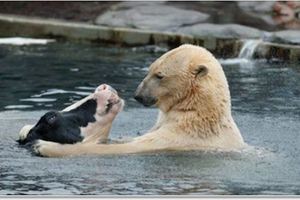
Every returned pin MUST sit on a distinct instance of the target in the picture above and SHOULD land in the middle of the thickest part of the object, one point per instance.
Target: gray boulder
(260, 7)
(224, 31)
(285, 37)
(260, 10)
(150, 16)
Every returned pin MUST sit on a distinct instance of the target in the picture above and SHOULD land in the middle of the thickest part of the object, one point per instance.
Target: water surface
(38, 78)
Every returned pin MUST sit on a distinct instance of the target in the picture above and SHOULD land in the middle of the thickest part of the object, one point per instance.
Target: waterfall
(245, 56)
(248, 49)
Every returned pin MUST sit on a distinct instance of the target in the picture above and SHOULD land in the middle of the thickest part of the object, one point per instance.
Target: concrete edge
(20, 26)
(285, 52)
(12, 25)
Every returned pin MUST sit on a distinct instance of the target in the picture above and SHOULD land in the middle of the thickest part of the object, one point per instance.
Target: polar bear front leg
(46, 148)
(149, 142)
(53, 149)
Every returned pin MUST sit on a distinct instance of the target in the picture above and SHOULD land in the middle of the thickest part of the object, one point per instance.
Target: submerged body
(190, 89)
(88, 120)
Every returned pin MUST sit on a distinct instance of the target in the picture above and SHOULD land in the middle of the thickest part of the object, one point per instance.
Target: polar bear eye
(159, 76)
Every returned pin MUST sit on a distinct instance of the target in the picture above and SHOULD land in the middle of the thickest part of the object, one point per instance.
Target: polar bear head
(185, 78)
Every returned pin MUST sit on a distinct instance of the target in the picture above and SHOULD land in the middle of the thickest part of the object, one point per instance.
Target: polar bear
(88, 120)
(189, 87)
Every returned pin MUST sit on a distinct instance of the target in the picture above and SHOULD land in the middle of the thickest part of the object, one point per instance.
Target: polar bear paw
(44, 148)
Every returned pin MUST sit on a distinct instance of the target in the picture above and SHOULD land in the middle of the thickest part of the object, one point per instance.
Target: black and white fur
(66, 127)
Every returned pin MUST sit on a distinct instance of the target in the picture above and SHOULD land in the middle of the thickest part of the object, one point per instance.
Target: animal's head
(64, 127)
(52, 126)
(182, 78)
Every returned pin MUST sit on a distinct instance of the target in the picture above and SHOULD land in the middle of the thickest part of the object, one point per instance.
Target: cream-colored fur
(195, 110)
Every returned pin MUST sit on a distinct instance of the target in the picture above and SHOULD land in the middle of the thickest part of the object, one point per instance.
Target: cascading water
(246, 54)
(248, 49)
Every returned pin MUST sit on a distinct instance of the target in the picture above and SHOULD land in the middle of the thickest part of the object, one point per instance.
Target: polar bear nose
(146, 101)
(138, 98)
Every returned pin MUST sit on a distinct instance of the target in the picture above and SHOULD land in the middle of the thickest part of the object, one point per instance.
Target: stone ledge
(283, 52)
(12, 26)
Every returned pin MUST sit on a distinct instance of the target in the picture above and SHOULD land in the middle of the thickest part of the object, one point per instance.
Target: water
(248, 49)
(19, 41)
(245, 57)
(37, 78)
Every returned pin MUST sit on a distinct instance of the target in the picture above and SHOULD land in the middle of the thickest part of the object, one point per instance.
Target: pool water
(38, 78)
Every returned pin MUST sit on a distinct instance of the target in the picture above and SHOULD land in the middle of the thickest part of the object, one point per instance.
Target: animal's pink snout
(108, 100)
(106, 93)
(105, 87)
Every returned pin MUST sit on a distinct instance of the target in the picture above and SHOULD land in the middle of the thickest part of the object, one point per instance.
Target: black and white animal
(88, 120)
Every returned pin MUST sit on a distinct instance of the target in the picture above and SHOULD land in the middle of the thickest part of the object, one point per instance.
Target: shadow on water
(38, 78)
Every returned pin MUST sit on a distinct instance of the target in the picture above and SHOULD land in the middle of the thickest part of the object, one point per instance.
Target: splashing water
(245, 56)
(248, 49)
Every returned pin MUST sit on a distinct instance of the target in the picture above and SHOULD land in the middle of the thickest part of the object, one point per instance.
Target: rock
(275, 51)
(131, 4)
(285, 37)
(258, 14)
(225, 31)
(256, 7)
(150, 15)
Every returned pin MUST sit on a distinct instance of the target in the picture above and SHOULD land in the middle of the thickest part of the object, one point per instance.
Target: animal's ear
(51, 120)
(51, 117)
(200, 71)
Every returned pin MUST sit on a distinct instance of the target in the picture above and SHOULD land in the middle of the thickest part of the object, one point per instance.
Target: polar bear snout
(146, 101)
(143, 95)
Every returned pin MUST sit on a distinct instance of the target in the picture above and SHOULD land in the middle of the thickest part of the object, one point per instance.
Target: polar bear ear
(200, 71)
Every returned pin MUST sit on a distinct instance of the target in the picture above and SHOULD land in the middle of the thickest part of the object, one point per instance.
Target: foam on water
(16, 107)
(234, 61)
(39, 99)
(19, 41)
(59, 91)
